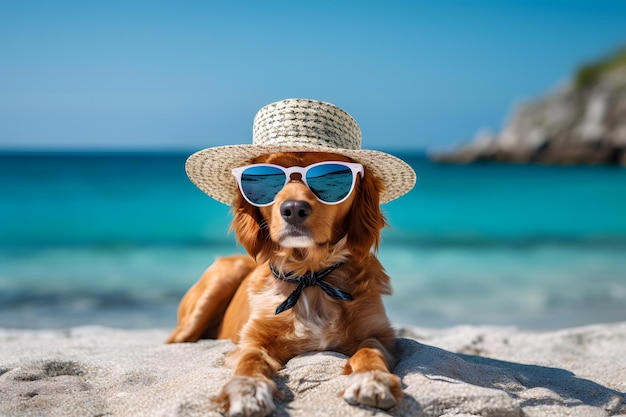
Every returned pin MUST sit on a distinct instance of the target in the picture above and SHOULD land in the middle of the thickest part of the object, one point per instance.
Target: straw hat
(297, 125)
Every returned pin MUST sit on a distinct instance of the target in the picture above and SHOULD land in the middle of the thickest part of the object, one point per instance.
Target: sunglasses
(330, 181)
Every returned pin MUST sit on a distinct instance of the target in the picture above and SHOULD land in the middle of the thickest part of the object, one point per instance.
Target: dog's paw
(373, 388)
(245, 396)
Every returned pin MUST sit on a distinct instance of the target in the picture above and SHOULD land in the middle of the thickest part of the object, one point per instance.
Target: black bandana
(303, 281)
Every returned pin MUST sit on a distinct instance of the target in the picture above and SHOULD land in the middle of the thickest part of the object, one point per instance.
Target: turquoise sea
(116, 239)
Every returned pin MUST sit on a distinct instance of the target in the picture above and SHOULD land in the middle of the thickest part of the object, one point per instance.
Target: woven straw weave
(309, 122)
(297, 125)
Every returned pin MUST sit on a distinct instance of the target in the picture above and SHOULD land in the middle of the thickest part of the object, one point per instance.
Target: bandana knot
(307, 280)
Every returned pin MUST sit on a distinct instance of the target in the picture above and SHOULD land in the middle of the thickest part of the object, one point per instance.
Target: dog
(310, 282)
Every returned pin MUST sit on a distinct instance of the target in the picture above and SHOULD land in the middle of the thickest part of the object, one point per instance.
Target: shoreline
(462, 370)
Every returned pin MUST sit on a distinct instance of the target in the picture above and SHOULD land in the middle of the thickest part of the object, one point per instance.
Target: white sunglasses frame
(354, 167)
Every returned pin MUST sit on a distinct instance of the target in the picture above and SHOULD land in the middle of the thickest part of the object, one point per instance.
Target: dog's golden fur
(237, 296)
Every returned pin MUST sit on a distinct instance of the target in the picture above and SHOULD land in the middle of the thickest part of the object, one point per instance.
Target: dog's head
(300, 225)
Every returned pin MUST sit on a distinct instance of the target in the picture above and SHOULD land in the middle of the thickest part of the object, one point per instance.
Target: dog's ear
(250, 228)
(365, 219)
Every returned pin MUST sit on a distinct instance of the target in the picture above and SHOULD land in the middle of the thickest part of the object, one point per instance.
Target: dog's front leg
(251, 390)
(371, 382)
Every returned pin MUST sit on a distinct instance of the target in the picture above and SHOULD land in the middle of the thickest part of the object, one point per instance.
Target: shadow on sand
(526, 385)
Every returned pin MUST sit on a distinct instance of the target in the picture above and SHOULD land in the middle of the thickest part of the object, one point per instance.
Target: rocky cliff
(583, 122)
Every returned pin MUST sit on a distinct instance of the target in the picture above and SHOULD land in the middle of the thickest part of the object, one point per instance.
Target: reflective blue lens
(330, 182)
(260, 184)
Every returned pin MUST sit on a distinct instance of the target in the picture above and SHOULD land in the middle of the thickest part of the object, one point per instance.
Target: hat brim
(210, 169)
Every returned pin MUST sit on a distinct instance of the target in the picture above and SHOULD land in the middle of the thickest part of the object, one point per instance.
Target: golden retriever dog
(311, 282)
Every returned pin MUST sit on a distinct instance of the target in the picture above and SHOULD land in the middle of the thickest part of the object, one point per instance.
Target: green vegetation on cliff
(589, 74)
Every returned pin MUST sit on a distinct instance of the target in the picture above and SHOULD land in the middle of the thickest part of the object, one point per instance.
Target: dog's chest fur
(315, 323)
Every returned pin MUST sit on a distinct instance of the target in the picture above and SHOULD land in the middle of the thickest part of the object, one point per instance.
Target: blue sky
(159, 75)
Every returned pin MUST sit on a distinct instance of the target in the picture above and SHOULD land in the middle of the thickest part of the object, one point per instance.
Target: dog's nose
(295, 211)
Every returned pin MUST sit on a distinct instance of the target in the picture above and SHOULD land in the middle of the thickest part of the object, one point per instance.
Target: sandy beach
(460, 371)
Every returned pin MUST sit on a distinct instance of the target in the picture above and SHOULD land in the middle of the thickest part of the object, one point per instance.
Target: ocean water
(116, 239)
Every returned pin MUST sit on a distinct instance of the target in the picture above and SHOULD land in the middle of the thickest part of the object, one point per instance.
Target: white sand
(472, 371)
